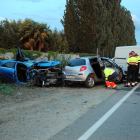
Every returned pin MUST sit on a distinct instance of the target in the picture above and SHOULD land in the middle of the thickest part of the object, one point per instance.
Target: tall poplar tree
(71, 26)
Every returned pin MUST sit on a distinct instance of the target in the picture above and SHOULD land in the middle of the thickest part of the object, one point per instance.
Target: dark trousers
(114, 77)
(137, 73)
(131, 70)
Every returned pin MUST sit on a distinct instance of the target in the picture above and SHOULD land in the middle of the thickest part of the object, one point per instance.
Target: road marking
(93, 128)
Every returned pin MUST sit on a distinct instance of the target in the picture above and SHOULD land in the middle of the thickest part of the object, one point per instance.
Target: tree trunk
(31, 47)
(97, 52)
(41, 45)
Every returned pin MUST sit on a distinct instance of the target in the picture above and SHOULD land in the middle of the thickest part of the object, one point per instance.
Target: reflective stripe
(132, 61)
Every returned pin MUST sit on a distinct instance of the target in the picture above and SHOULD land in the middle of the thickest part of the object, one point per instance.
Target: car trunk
(74, 66)
(72, 70)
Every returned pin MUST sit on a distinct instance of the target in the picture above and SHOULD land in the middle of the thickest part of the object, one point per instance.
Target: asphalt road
(116, 118)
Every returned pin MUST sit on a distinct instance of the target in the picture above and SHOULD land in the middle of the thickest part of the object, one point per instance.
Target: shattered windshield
(31, 62)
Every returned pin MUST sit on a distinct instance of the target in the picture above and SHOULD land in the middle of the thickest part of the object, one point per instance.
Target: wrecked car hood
(46, 64)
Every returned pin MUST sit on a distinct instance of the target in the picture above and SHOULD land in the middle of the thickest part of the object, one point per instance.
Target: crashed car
(23, 70)
(87, 70)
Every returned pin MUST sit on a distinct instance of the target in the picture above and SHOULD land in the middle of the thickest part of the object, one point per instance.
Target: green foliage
(64, 61)
(2, 50)
(92, 24)
(8, 88)
(86, 54)
(28, 53)
(88, 25)
(55, 56)
(29, 34)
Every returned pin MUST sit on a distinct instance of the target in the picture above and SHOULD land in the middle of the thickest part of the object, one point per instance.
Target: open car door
(20, 56)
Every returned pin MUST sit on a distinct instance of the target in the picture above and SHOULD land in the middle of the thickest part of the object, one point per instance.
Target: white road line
(92, 129)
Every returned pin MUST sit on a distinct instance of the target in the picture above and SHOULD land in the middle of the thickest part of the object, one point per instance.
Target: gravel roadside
(39, 113)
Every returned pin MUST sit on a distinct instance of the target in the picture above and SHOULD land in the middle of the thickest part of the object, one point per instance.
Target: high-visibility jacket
(132, 61)
(108, 72)
(138, 57)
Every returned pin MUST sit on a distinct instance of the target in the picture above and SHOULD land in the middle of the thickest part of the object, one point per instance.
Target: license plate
(70, 77)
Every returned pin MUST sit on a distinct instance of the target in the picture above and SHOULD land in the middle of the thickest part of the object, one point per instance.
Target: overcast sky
(52, 11)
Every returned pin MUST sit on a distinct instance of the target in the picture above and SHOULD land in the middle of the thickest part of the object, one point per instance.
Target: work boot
(127, 86)
(109, 87)
(133, 84)
(116, 88)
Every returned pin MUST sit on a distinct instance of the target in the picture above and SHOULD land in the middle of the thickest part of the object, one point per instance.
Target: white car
(87, 70)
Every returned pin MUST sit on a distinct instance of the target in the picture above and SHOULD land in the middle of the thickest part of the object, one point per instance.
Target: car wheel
(1, 79)
(90, 81)
(32, 81)
(68, 83)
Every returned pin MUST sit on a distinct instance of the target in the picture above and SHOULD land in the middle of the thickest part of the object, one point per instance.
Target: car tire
(1, 79)
(68, 83)
(90, 82)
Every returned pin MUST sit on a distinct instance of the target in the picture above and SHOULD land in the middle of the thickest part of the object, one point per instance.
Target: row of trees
(88, 25)
(29, 34)
(102, 24)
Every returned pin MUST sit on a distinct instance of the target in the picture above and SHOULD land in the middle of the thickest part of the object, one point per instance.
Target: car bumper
(75, 77)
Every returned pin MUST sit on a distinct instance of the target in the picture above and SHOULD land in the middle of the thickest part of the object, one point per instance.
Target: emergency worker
(137, 68)
(110, 77)
(132, 63)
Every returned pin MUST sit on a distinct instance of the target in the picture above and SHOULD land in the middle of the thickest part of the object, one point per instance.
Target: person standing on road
(132, 63)
(110, 77)
(137, 68)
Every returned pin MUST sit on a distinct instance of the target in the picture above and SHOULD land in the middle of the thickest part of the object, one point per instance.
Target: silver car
(87, 70)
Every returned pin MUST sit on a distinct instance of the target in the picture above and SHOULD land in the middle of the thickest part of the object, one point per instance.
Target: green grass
(6, 88)
(10, 88)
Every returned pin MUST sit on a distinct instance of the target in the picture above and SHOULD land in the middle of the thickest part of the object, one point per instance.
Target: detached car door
(7, 71)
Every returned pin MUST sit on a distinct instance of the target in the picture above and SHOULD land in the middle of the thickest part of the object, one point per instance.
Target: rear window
(77, 62)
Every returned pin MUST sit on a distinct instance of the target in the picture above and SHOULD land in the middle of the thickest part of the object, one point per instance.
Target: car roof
(104, 57)
(29, 63)
(89, 57)
(5, 61)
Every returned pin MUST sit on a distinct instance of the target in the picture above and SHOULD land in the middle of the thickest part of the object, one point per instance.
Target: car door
(101, 63)
(7, 71)
(21, 71)
(110, 64)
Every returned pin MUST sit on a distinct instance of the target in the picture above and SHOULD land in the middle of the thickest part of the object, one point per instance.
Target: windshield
(77, 62)
(31, 62)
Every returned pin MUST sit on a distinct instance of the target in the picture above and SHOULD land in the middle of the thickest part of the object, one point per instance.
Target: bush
(86, 54)
(27, 53)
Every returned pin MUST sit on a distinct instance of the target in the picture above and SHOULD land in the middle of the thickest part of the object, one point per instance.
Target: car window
(77, 62)
(109, 64)
(9, 65)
